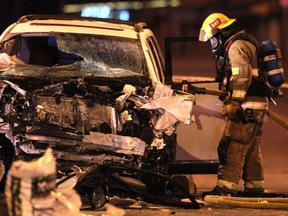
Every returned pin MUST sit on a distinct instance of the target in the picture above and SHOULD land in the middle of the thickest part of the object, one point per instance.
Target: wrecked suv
(92, 90)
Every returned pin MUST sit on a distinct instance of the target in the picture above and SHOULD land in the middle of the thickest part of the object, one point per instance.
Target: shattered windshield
(105, 54)
(77, 55)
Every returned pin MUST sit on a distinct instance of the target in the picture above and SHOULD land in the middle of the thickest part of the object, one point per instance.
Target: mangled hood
(78, 69)
(38, 77)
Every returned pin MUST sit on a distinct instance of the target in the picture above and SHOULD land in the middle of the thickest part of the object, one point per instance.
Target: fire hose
(199, 90)
(277, 203)
(270, 114)
(277, 118)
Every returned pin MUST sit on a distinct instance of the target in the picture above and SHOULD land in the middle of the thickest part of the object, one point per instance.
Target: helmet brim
(203, 36)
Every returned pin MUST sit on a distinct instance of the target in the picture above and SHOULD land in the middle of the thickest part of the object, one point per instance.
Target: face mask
(214, 42)
(218, 52)
(217, 47)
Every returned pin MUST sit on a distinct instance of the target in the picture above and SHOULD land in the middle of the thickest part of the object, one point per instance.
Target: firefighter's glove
(232, 110)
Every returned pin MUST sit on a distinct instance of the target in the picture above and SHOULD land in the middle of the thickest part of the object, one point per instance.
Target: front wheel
(98, 197)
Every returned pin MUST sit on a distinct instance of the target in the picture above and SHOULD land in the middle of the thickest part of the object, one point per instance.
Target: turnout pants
(240, 157)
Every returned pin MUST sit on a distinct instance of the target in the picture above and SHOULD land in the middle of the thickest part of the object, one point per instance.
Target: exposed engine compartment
(86, 122)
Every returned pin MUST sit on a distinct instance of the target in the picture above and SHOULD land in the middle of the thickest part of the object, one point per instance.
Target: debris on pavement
(30, 190)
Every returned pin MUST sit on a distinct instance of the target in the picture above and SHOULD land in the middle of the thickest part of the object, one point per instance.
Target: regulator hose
(245, 202)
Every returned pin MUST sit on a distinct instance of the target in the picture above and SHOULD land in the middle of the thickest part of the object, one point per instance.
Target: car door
(188, 59)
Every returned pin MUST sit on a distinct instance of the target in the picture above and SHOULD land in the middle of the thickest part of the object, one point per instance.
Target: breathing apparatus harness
(270, 73)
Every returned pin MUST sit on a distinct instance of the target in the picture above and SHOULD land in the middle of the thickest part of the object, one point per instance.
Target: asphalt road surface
(121, 207)
(127, 207)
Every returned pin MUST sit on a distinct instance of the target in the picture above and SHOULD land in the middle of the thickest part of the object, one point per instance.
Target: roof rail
(30, 17)
(139, 26)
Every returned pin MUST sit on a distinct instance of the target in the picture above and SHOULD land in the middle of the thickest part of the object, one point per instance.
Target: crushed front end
(101, 109)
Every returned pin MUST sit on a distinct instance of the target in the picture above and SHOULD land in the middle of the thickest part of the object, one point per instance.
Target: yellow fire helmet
(212, 23)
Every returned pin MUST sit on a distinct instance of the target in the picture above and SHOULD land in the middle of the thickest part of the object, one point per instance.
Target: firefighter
(244, 106)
